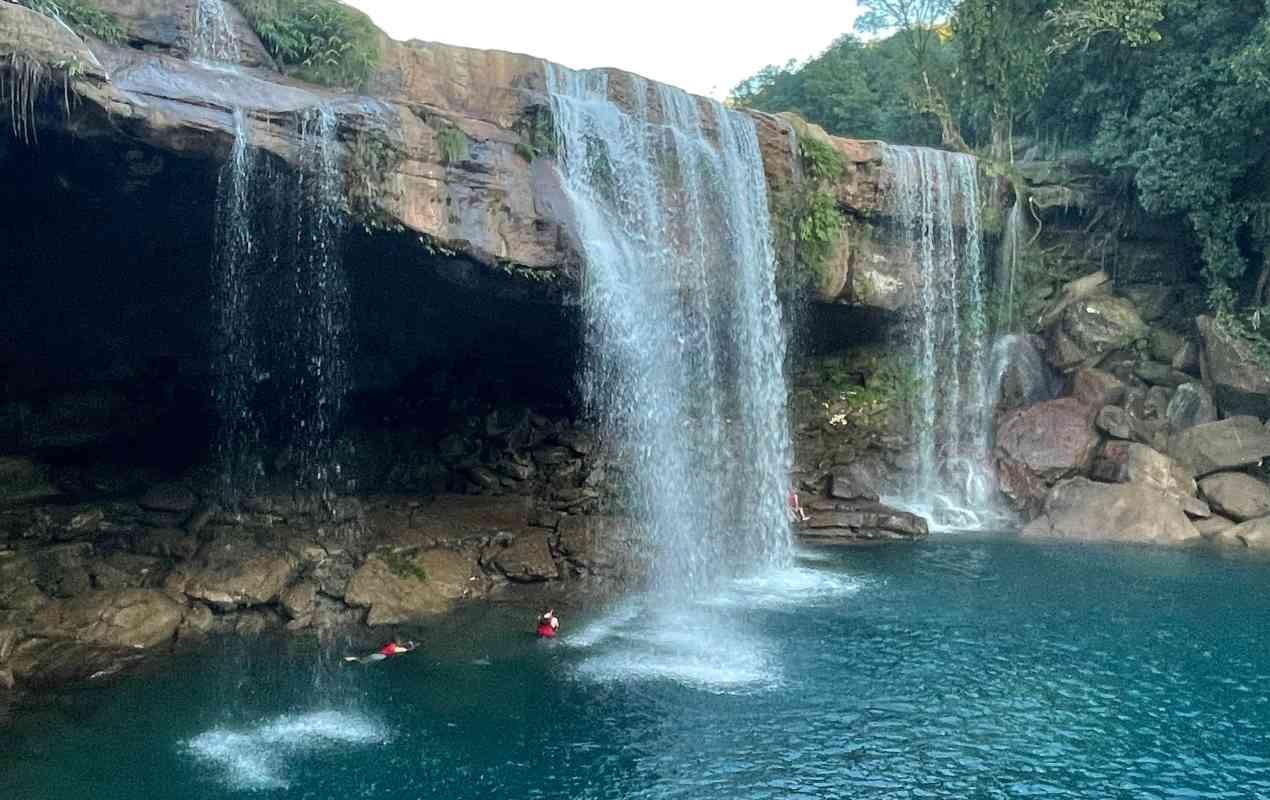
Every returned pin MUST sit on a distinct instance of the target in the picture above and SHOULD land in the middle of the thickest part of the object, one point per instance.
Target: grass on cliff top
(82, 16)
(320, 41)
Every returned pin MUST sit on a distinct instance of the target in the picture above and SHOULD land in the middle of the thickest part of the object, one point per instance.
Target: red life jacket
(389, 649)
(545, 630)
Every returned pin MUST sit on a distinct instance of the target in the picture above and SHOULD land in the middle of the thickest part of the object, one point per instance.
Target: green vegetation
(82, 16)
(320, 41)
(537, 130)
(373, 157)
(403, 565)
(857, 393)
(808, 220)
(453, 144)
(1171, 97)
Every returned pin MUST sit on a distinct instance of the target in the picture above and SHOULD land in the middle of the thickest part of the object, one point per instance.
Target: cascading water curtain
(685, 345)
(936, 214)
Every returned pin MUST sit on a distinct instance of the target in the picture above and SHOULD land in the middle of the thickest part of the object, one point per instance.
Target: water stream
(283, 311)
(936, 213)
(213, 38)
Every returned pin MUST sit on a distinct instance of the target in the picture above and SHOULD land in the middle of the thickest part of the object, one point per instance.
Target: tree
(1132, 22)
(1003, 52)
(919, 25)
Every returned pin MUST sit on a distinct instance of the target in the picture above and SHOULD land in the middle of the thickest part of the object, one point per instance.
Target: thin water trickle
(213, 38)
(684, 370)
(282, 312)
(238, 438)
(936, 212)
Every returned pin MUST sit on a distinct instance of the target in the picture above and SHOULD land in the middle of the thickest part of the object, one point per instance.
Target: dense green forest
(1171, 96)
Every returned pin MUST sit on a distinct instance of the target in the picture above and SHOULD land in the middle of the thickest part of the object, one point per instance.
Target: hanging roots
(23, 81)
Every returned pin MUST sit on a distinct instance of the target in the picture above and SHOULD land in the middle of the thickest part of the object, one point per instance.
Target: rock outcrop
(859, 522)
(1237, 495)
(496, 202)
(1128, 512)
(1240, 377)
(1042, 444)
(1225, 445)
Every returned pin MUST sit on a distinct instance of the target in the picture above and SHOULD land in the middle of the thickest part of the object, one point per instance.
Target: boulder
(1088, 329)
(1253, 534)
(524, 559)
(1127, 512)
(134, 618)
(299, 600)
(1164, 344)
(859, 522)
(1153, 300)
(1025, 377)
(1187, 359)
(1129, 462)
(1209, 528)
(1217, 446)
(1117, 423)
(401, 586)
(230, 574)
(1237, 495)
(851, 482)
(1191, 405)
(1097, 388)
(1156, 404)
(1158, 374)
(1240, 378)
(1042, 444)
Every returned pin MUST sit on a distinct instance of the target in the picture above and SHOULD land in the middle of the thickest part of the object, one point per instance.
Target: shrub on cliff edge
(320, 41)
(82, 17)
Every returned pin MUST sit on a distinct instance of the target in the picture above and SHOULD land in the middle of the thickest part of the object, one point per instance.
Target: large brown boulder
(1216, 446)
(526, 558)
(403, 586)
(1239, 376)
(1039, 445)
(230, 574)
(1089, 328)
(1237, 495)
(1127, 512)
(135, 618)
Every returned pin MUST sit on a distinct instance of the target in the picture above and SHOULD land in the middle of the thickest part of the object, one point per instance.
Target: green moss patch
(82, 17)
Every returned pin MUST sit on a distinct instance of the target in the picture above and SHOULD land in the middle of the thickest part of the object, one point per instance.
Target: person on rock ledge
(548, 624)
(795, 508)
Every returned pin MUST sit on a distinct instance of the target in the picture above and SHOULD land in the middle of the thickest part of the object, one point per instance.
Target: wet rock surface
(1130, 512)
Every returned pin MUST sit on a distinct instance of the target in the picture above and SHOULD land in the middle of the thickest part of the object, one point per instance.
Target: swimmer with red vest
(548, 624)
(392, 648)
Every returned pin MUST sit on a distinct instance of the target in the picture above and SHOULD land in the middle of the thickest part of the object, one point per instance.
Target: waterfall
(319, 378)
(936, 212)
(684, 368)
(213, 38)
(1020, 376)
(1011, 247)
(282, 310)
(237, 438)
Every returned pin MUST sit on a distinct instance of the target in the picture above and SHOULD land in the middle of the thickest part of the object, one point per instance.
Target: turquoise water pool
(957, 668)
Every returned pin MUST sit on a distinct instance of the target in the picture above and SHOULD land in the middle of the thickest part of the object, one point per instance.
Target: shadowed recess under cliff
(684, 370)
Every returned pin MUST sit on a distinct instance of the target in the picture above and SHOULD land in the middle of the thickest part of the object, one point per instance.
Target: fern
(320, 41)
(82, 17)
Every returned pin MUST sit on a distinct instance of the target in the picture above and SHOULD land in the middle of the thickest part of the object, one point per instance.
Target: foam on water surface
(258, 757)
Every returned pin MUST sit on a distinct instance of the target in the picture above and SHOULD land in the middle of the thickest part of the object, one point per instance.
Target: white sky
(704, 46)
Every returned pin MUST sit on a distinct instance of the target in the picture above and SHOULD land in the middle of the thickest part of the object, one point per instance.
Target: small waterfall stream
(686, 349)
(282, 310)
(936, 212)
(213, 38)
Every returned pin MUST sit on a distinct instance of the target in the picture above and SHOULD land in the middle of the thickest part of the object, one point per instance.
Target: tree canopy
(1172, 95)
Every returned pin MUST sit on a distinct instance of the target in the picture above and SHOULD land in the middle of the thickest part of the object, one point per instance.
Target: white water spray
(686, 349)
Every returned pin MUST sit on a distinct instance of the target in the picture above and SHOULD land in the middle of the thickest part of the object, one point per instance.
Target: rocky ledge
(444, 143)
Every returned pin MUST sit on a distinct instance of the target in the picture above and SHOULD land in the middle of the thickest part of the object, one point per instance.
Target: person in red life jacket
(393, 648)
(548, 624)
(795, 509)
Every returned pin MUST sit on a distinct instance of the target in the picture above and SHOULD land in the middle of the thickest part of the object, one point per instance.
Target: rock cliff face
(444, 142)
